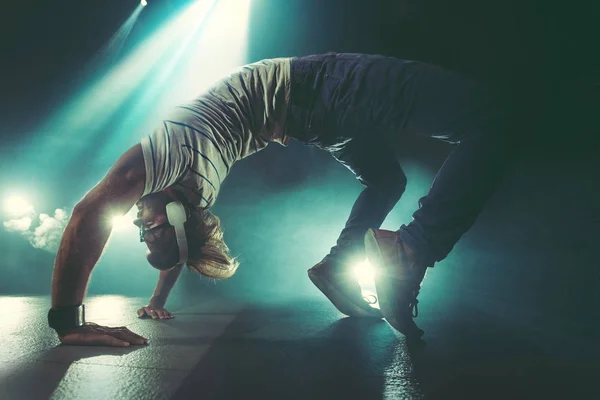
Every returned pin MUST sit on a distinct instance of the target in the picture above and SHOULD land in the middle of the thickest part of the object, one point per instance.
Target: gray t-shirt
(193, 150)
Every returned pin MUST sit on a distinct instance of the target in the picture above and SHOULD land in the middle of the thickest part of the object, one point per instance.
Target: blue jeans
(358, 107)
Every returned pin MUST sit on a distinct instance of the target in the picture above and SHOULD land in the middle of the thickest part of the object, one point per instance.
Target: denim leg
(454, 109)
(375, 102)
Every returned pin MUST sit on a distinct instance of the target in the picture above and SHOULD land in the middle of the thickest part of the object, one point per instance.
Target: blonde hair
(208, 254)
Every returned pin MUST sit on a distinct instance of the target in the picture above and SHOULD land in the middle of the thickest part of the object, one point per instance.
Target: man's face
(158, 235)
(152, 217)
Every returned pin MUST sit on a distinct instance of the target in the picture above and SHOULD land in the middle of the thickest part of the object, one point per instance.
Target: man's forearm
(88, 229)
(81, 246)
(166, 281)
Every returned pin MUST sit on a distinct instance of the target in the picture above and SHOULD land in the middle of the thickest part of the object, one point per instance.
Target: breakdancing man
(357, 107)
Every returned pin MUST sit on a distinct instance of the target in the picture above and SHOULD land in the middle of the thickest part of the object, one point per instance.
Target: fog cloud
(43, 231)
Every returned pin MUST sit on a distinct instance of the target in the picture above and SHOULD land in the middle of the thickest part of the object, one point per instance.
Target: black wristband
(64, 318)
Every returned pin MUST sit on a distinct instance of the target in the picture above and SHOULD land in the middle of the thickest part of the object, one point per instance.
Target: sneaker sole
(386, 291)
(340, 301)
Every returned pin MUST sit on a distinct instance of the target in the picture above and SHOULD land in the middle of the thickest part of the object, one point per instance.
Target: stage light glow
(124, 223)
(121, 222)
(111, 51)
(95, 106)
(216, 31)
(166, 69)
(18, 206)
(105, 97)
(224, 41)
(144, 3)
(104, 308)
(364, 273)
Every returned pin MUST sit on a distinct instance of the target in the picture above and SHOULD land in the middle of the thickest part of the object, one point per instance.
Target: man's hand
(96, 335)
(154, 312)
(156, 307)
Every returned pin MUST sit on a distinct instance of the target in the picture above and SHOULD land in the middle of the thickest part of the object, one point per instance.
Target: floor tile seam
(131, 366)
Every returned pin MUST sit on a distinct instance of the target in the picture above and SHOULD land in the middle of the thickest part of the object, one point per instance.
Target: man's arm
(156, 307)
(86, 235)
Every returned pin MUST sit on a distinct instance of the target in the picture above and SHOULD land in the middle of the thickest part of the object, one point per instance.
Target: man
(357, 107)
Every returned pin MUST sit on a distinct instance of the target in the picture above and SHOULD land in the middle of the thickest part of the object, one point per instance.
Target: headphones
(177, 216)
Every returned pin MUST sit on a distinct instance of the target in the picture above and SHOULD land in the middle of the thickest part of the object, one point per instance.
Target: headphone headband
(177, 217)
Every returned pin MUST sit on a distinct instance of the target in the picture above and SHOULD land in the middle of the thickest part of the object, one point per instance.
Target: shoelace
(414, 305)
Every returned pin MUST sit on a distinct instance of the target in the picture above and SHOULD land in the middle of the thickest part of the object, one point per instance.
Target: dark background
(528, 270)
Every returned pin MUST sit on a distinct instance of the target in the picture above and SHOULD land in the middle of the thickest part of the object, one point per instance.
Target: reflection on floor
(295, 349)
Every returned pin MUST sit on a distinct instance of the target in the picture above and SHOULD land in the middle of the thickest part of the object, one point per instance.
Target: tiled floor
(293, 349)
(215, 350)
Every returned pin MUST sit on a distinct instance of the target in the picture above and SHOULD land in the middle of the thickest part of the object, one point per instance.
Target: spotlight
(364, 273)
(121, 222)
(144, 3)
(17, 206)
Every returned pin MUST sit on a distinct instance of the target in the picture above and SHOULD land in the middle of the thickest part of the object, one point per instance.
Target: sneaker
(397, 281)
(343, 290)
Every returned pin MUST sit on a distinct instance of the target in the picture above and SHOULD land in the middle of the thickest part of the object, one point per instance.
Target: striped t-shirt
(193, 150)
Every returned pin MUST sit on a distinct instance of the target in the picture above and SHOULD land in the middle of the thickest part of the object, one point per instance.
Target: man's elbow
(120, 189)
(82, 208)
(84, 211)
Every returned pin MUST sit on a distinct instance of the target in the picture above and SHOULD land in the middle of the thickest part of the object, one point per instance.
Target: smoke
(45, 233)
(18, 225)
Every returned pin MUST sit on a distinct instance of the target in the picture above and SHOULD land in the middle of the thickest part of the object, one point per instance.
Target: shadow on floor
(347, 359)
(33, 377)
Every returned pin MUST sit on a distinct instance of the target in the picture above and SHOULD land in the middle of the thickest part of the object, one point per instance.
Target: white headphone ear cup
(177, 217)
(176, 213)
